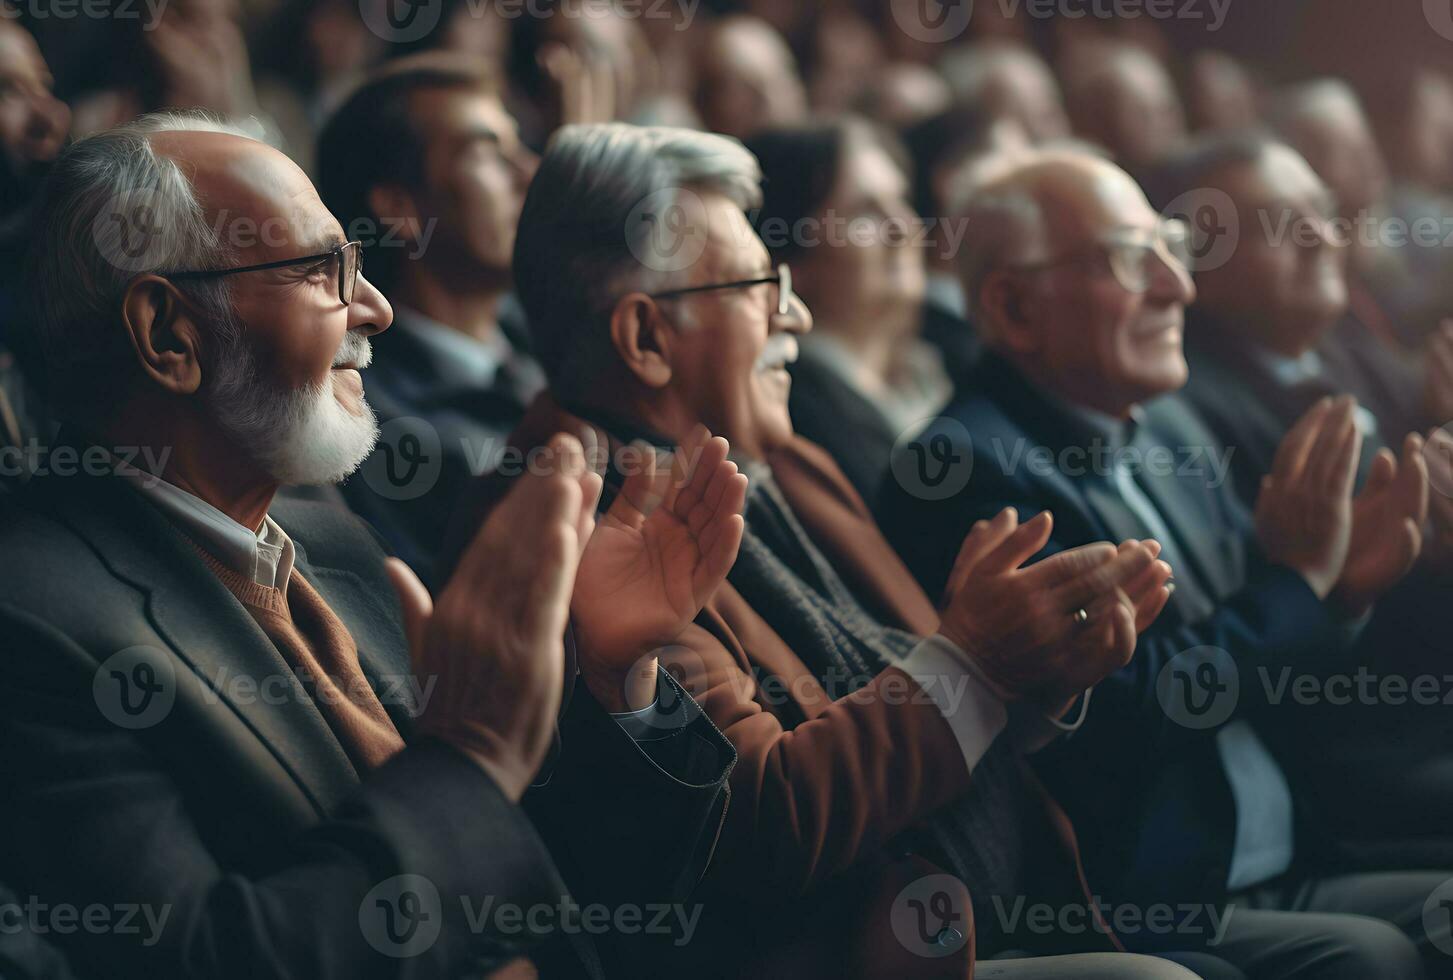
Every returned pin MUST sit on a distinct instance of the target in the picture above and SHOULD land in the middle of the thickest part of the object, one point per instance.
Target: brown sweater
(323, 654)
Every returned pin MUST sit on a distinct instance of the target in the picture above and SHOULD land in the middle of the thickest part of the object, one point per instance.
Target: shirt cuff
(973, 711)
(668, 714)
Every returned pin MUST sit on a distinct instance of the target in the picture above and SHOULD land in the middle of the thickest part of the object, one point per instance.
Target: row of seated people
(847, 756)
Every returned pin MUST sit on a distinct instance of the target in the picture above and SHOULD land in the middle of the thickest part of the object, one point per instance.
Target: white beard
(304, 436)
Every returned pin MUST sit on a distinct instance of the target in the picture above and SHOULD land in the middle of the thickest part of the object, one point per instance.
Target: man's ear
(398, 214)
(163, 333)
(642, 339)
(1009, 309)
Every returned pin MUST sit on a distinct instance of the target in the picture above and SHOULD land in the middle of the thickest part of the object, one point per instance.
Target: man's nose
(797, 319)
(370, 312)
(1170, 280)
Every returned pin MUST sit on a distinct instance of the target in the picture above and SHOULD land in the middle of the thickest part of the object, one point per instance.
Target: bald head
(1324, 121)
(260, 202)
(747, 79)
(1069, 274)
(1121, 97)
(1008, 81)
(1035, 207)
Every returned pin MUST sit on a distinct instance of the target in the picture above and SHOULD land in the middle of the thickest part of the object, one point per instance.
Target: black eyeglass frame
(345, 288)
(783, 279)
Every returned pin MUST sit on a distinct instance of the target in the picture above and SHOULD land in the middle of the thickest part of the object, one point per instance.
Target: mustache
(355, 350)
(781, 348)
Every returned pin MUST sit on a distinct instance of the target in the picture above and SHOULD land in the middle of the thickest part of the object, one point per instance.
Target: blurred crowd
(855, 488)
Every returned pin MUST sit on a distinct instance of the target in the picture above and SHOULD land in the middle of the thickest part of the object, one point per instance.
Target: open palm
(658, 554)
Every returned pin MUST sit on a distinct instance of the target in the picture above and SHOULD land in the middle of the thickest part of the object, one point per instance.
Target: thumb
(416, 603)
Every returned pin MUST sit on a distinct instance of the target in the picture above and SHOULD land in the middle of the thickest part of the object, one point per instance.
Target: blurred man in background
(438, 198)
(1080, 288)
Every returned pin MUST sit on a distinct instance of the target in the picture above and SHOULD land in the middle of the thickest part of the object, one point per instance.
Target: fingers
(640, 491)
(1069, 565)
(1328, 451)
(1413, 487)
(699, 463)
(684, 462)
(1130, 560)
(414, 601)
(1022, 543)
(1291, 455)
(1381, 474)
(1150, 607)
(982, 538)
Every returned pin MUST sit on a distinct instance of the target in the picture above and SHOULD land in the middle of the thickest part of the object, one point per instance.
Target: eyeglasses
(1129, 253)
(348, 263)
(783, 279)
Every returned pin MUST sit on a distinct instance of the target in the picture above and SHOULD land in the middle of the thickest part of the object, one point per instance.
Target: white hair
(116, 209)
(592, 223)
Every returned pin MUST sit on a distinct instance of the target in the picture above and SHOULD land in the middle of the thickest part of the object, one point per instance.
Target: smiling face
(730, 347)
(1083, 332)
(301, 347)
(476, 175)
(1281, 291)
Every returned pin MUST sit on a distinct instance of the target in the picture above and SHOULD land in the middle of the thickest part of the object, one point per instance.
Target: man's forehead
(732, 244)
(236, 178)
(1082, 199)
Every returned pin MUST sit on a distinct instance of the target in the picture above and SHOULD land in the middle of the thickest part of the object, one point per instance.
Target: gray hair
(975, 69)
(592, 225)
(1003, 222)
(113, 210)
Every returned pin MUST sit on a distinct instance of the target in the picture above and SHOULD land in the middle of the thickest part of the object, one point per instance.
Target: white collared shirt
(264, 556)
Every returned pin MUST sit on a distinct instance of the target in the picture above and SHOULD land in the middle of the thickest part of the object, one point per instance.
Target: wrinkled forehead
(732, 248)
(258, 200)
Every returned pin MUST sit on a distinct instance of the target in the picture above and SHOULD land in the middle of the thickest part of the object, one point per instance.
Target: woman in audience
(836, 209)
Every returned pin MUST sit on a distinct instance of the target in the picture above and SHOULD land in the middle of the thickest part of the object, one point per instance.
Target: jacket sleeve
(634, 819)
(1273, 620)
(811, 800)
(392, 884)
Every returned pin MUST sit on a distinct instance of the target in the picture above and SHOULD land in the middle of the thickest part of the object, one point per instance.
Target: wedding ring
(1080, 616)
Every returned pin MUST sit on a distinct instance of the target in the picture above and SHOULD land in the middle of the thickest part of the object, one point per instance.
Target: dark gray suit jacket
(159, 752)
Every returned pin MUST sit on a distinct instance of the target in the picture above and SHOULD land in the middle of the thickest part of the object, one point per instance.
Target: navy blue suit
(1148, 794)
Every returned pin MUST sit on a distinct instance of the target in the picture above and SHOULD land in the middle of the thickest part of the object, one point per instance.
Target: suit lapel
(206, 627)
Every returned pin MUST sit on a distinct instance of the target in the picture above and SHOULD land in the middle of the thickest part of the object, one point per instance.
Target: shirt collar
(1288, 370)
(461, 360)
(264, 556)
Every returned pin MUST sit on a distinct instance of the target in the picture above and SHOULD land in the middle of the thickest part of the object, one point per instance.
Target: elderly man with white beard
(211, 720)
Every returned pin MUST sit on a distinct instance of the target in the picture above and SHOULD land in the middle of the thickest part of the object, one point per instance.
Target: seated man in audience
(829, 670)
(746, 78)
(1080, 288)
(438, 194)
(1411, 109)
(33, 128)
(1256, 342)
(208, 698)
(1121, 98)
(1009, 82)
(1324, 122)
